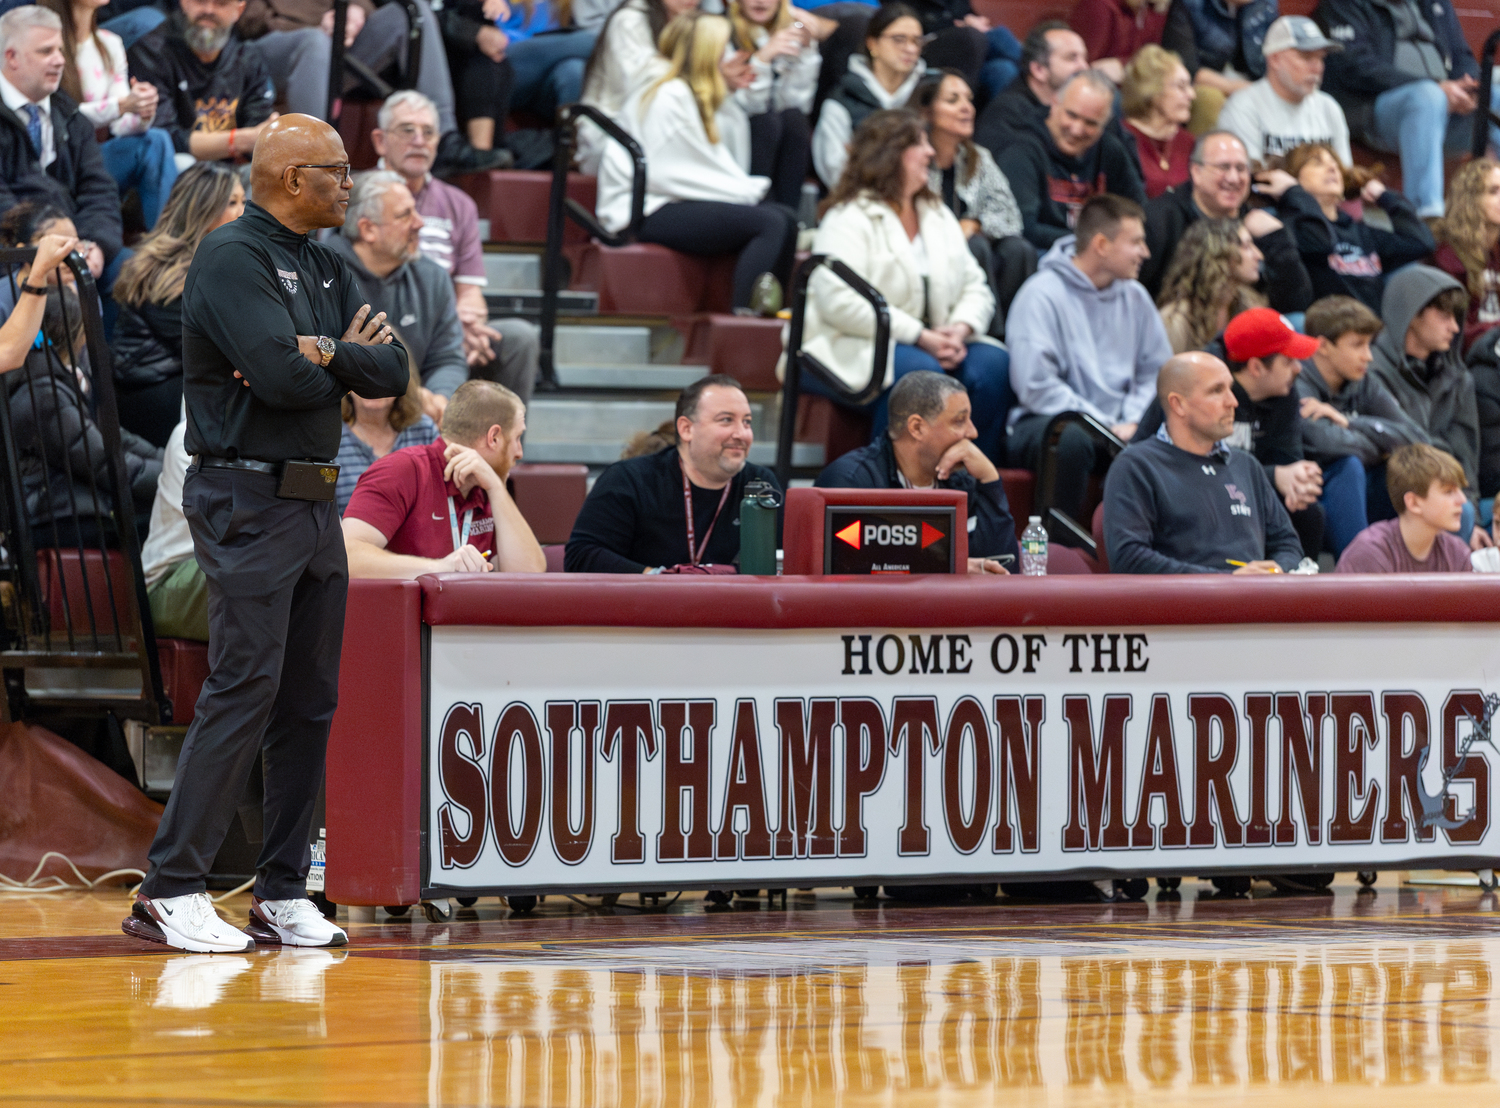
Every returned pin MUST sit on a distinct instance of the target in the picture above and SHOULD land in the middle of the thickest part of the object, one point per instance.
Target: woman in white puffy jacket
(699, 199)
(886, 224)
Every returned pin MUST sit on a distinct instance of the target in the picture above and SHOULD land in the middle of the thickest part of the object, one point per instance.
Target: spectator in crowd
(986, 54)
(148, 333)
(295, 39)
(24, 318)
(214, 96)
(1220, 43)
(1286, 108)
(1157, 99)
(64, 468)
(1052, 53)
(635, 518)
(1067, 158)
(1415, 358)
(972, 186)
(1484, 368)
(1211, 280)
(1219, 188)
(1346, 411)
(625, 59)
(781, 44)
(176, 588)
(406, 140)
(940, 302)
(929, 444)
(1184, 500)
(381, 244)
(547, 53)
(94, 74)
(1113, 30)
(483, 77)
(1427, 486)
(1264, 356)
(1407, 82)
(375, 428)
(444, 507)
(1468, 239)
(1343, 255)
(48, 153)
(883, 77)
(699, 199)
(1085, 337)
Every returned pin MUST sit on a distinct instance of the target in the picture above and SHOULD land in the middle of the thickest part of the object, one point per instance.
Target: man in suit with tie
(48, 152)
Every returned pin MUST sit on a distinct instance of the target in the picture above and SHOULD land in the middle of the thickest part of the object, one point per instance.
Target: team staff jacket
(634, 517)
(254, 286)
(992, 530)
(233, 91)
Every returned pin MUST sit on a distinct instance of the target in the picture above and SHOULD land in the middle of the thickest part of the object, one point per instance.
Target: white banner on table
(635, 757)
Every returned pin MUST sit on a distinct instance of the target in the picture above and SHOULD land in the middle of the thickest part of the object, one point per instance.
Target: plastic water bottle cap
(1033, 519)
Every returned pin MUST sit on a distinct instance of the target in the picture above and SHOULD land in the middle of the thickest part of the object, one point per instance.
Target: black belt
(207, 461)
(297, 478)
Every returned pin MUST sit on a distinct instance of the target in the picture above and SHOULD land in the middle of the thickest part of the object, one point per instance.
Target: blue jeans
(549, 70)
(146, 163)
(985, 373)
(1003, 63)
(136, 24)
(1412, 120)
(1343, 502)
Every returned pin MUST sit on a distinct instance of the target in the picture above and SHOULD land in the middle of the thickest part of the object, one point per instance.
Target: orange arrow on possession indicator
(849, 534)
(930, 535)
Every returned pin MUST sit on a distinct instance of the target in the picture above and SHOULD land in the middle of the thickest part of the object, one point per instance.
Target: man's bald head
(298, 173)
(1180, 374)
(1197, 401)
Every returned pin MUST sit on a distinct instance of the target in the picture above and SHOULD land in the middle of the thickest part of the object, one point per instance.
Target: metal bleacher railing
(561, 207)
(77, 631)
(1053, 517)
(799, 361)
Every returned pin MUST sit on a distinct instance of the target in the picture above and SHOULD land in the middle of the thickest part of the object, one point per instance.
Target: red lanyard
(695, 552)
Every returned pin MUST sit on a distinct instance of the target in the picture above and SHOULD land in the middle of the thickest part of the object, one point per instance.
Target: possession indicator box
(879, 540)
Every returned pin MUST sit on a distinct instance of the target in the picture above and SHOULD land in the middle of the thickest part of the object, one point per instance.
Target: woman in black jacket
(148, 334)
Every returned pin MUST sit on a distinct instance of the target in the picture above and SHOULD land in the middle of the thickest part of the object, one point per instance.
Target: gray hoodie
(1377, 425)
(417, 298)
(1078, 348)
(1436, 393)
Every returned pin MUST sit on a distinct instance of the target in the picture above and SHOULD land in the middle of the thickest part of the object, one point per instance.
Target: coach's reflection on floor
(1404, 1012)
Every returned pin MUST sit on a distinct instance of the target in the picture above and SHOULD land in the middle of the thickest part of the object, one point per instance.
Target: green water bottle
(758, 529)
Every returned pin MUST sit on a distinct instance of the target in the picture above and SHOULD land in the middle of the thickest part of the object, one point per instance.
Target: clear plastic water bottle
(1034, 548)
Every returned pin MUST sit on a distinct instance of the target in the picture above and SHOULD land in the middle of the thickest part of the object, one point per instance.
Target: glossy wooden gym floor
(1388, 996)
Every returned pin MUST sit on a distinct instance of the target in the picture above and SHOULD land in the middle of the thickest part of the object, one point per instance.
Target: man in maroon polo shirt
(444, 508)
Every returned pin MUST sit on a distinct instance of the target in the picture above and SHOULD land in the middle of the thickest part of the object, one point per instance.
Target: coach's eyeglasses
(344, 168)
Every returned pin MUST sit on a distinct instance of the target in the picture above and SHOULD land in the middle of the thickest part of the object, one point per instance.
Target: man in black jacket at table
(263, 378)
(636, 517)
(929, 444)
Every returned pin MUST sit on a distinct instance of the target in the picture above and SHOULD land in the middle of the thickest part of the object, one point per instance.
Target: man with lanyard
(263, 377)
(393, 526)
(629, 523)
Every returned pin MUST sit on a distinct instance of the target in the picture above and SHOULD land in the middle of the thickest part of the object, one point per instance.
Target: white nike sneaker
(185, 922)
(292, 923)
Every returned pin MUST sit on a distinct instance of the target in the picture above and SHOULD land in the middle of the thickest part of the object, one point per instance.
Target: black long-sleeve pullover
(254, 286)
(634, 517)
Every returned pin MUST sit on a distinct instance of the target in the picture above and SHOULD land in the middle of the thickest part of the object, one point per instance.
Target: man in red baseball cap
(1265, 352)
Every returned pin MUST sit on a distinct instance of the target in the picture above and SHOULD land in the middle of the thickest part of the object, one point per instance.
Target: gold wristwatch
(326, 348)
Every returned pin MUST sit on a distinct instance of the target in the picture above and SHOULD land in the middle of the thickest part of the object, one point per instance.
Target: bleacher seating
(68, 576)
(549, 496)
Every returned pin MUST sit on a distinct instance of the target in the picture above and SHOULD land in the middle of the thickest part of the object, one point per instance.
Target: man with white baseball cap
(1286, 107)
